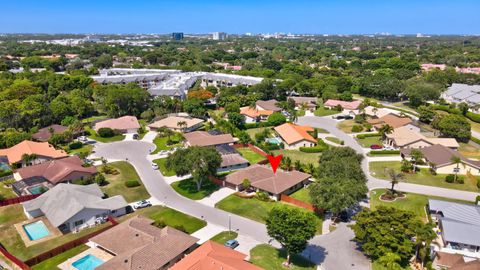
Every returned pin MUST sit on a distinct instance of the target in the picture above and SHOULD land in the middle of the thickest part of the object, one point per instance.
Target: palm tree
(310, 168)
(384, 130)
(293, 116)
(416, 156)
(375, 110)
(394, 178)
(287, 163)
(297, 164)
(182, 125)
(456, 160)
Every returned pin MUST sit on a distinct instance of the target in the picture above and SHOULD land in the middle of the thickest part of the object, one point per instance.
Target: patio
(53, 231)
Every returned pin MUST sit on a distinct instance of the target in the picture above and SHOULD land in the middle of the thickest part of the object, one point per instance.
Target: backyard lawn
(173, 218)
(469, 151)
(322, 111)
(116, 183)
(253, 131)
(302, 195)
(423, 177)
(161, 143)
(368, 141)
(6, 192)
(304, 158)
(271, 258)
(10, 238)
(94, 136)
(223, 237)
(161, 166)
(413, 202)
(249, 155)
(346, 125)
(254, 209)
(52, 263)
(188, 188)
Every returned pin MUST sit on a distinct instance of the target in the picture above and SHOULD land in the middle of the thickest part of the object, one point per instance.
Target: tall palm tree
(456, 160)
(395, 178)
(384, 130)
(297, 164)
(416, 156)
(375, 110)
(182, 125)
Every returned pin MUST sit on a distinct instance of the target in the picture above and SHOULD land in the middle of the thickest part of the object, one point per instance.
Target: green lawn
(223, 237)
(254, 209)
(6, 192)
(52, 263)
(161, 143)
(302, 195)
(116, 183)
(469, 151)
(161, 166)
(322, 111)
(188, 188)
(251, 156)
(334, 140)
(304, 158)
(94, 118)
(85, 150)
(423, 177)
(346, 125)
(271, 258)
(368, 141)
(413, 202)
(10, 238)
(253, 131)
(94, 136)
(173, 218)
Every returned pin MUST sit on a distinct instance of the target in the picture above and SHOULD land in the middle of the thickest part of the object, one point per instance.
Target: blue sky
(257, 16)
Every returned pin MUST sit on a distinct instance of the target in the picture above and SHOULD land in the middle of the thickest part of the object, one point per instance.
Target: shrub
(363, 136)
(276, 119)
(460, 180)
(5, 173)
(132, 183)
(262, 196)
(478, 197)
(450, 178)
(75, 145)
(180, 228)
(385, 152)
(475, 140)
(159, 223)
(478, 183)
(311, 149)
(106, 132)
(475, 117)
(357, 128)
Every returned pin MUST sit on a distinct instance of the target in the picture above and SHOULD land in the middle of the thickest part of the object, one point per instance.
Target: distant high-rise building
(219, 35)
(177, 36)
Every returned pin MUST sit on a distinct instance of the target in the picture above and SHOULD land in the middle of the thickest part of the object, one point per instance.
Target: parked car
(375, 147)
(338, 117)
(82, 139)
(135, 136)
(347, 117)
(142, 204)
(232, 244)
(154, 166)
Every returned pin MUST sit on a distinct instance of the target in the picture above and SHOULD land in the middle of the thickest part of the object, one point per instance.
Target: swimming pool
(4, 166)
(37, 190)
(274, 141)
(36, 230)
(88, 262)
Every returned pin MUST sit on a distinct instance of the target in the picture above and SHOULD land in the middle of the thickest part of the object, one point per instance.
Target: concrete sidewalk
(217, 196)
(149, 137)
(207, 232)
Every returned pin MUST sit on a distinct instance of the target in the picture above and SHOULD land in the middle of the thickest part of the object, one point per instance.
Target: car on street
(375, 147)
(154, 166)
(338, 117)
(232, 244)
(142, 204)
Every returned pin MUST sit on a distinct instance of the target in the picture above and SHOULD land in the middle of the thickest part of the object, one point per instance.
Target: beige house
(177, 123)
(295, 136)
(403, 137)
(440, 159)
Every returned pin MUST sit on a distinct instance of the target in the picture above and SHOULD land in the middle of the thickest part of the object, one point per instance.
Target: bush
(320, 147)
(475, 117)
(478, 183)
(357, 128)
(363, 136)
(159, 223)
(460, 179)
(5, 173)
(75, 145)
(276, 119)
(180, 228)
(106, 132)
(132, 183)
(478, 197)
(385, 152)
(262, 196)
(475, 140)
(450, 178)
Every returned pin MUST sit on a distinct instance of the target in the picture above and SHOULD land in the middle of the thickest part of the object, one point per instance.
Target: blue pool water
(4, 166)
(37, 190)
(88, 262)
(273, 141)
(36, 230)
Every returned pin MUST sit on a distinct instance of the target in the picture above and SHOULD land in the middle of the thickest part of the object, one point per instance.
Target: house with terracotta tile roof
(263, 179)
(204, 138)
(394, 121)
(254, 115)
(268, 105)
(295, 136)
(124, 124)
(309, 102)
(346, 105)
(44, 134)
(39, 152)
(137, 244)
(454, 261)
(403, 137)
(213, 256)
(44, 176)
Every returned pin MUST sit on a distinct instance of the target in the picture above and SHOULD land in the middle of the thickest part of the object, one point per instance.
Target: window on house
(78, 222)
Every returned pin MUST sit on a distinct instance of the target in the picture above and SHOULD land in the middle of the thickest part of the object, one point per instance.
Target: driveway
(336, 250)
(330, 125)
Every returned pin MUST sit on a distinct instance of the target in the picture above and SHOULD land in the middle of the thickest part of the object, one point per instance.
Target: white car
(82, 139)
(142, 204)
(154, 166)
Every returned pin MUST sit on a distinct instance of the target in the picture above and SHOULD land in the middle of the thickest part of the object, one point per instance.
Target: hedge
(475, 117)
(132, 183)
(363, 136)
(5, 173)
(257, 125)
(75, 145)
(106, 132)
(385, 152)
(475, 140)
(445, 108)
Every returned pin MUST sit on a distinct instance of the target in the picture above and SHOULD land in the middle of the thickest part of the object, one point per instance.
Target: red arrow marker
(274, 162)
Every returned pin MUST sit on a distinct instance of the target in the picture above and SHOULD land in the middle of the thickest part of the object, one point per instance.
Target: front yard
(251, 156)
(116, 183)
(346, 125)
(254, 208)
(304, 158)
(163, 169)
(223, 237)
(10, 239)
(322, 111)
(423, 177)
(94, 136)
(271, 258)
(84, 151)
(161, 143)
(368, 141)
(413, 202)
(173, 218)
(188, 188)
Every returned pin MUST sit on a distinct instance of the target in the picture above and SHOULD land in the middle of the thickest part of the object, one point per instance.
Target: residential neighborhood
(305, 136)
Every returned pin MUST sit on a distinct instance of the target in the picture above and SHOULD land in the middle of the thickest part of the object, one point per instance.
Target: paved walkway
(149, 137)
(207, 232)
(217, 196)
